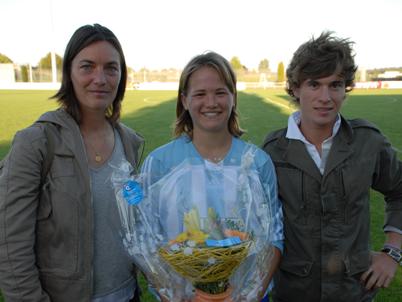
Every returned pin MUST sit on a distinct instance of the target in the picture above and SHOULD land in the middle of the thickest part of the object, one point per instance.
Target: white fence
(29, 86)
(379, 85)
(175, 85)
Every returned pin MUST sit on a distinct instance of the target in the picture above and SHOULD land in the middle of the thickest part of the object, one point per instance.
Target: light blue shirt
(167, 157)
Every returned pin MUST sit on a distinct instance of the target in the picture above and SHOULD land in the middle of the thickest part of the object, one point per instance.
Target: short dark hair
(83, 37)
(184, 123)
(321, 57)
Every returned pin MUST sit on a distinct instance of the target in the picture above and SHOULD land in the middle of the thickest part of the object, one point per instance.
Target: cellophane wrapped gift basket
(202, 232)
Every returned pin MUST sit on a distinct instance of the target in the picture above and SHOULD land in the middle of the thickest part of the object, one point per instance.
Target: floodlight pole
(30, 73)
(53, 53)
(54, 67)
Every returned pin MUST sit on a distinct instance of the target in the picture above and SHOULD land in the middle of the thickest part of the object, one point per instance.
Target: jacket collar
(71, 142)
(132, 144)
(341, 147)
(294, 152)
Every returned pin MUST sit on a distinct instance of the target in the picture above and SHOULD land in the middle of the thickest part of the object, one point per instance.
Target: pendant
(98, 158)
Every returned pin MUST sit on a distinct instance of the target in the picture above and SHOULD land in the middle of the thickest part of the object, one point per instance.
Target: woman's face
(96, 74)
(208, 101)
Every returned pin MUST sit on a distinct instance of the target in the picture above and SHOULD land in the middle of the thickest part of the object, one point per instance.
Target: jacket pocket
(44, 207)
(356, 181)
(294, 281)
(299, 268)
(357, 263)
(62, 165)
(64, 175)
(290, 181)
(60, 177)
(57, 234)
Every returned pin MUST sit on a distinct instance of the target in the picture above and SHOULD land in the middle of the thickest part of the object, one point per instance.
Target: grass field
(151, 113)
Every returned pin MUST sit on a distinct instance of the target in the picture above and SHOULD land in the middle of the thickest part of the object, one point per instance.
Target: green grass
(152, 113)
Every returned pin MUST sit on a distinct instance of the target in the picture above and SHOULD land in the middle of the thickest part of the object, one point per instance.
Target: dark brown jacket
(327, 217)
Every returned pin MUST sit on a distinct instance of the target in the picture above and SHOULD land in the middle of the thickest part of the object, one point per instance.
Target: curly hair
(321, 57)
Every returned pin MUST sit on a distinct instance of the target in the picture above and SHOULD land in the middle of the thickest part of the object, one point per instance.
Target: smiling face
(208, 101)
(95, 74)
(320, 101)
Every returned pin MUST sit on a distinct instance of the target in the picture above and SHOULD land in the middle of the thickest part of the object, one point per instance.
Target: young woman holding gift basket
(214, 192)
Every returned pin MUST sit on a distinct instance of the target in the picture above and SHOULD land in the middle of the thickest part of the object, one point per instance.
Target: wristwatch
(394, 253)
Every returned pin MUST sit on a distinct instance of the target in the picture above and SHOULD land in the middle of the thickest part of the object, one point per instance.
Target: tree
(236, 65)
(46, 62)
(5, 59)
(263, 66)
(281, 72)
(130, 70)
(24, 73)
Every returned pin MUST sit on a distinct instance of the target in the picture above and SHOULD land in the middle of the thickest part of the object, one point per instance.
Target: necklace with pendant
(215, 159)
(98, 157)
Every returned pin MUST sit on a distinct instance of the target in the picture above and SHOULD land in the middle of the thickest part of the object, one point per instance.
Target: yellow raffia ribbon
(197, 265)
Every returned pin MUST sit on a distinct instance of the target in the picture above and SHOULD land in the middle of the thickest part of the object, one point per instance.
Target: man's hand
(381, 271)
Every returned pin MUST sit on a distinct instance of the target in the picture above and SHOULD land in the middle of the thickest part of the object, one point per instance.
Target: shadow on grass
(155, 123)
(4, 147)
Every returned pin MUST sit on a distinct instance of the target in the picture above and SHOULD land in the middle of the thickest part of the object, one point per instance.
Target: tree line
(45, 64)
(243, 73)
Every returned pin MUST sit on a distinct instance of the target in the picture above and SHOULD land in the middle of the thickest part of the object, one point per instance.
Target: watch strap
(392, 252)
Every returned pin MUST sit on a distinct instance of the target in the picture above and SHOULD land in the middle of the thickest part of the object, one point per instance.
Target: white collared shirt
(294, 132)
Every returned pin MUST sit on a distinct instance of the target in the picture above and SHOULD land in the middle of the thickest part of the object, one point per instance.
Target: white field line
(288, 109)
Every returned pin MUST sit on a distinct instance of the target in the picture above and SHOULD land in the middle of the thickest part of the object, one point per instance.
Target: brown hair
(321, 57)
(184, 123)
(83, 37)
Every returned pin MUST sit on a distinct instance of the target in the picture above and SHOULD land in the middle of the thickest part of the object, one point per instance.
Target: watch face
(397, 256)
(394, 254)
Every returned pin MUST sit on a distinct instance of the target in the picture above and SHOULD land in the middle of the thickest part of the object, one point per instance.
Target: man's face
(320, 101)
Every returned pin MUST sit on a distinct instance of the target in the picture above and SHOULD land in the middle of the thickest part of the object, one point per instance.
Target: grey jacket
(46, 231)
(327, 217)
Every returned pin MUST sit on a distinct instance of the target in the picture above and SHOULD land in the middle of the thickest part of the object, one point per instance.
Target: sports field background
(152, 113)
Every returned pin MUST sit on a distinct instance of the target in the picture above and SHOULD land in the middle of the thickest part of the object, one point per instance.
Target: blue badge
(224, 242)
(132, 192)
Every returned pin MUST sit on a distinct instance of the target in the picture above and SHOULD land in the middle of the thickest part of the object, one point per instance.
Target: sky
(158, 34)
